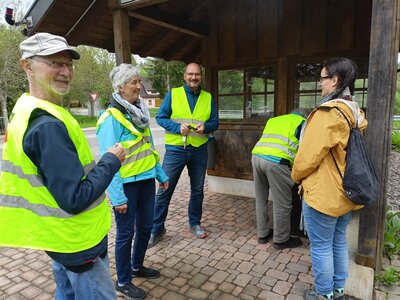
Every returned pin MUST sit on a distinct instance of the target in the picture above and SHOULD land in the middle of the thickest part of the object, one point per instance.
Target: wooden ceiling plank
(166, 20)
(84, 25)
(153, 41)
(174, 52)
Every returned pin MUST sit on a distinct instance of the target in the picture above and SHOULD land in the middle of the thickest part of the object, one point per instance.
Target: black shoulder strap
(330, 150)
(348, 122)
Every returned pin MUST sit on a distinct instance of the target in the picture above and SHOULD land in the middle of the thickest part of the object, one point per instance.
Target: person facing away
(326, 209)
(188, 114)
(272, 160)
(51, 191)
(132, 190)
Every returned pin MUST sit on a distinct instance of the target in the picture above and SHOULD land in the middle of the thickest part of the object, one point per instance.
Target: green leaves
(392, 234)
(396, 140)
(390, 276)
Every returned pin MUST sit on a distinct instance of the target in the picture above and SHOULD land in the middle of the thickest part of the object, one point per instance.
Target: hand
(185, 128)
(164, 185)
(199, 128)
(122, 209)
(118, 151)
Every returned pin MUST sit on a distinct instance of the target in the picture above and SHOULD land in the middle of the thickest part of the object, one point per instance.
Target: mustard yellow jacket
(314, 167)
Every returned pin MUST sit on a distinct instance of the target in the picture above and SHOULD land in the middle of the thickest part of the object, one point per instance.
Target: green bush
(390, 276)
(392, 233)
(396, 140)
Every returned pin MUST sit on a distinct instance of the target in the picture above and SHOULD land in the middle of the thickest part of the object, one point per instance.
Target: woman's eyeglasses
(324, 77)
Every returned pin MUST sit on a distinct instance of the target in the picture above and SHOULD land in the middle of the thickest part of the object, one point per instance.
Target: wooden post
(384, 46)
(281, 98)
(122, 40)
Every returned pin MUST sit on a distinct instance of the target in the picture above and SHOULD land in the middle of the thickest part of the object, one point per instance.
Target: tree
(164, 75)
(12, 78)
(91, 76)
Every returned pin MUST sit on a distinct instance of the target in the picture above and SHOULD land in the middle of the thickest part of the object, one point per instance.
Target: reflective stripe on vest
(181, 114)
(29, 215)
(140, 154)
(278, 138)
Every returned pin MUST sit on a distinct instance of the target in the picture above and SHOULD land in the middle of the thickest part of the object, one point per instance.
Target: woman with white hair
(132, 190)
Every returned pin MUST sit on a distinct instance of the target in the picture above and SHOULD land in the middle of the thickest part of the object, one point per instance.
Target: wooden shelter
(261, 57)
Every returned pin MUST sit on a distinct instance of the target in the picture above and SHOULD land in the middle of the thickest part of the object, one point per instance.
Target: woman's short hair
(121, 74)
(345, 69)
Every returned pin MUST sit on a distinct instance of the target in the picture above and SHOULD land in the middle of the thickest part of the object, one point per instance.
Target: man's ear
(26, 65)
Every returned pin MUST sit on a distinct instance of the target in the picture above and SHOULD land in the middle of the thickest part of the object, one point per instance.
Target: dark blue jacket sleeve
(50, 148)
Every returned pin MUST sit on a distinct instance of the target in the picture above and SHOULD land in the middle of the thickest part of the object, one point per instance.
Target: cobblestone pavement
(229, 264)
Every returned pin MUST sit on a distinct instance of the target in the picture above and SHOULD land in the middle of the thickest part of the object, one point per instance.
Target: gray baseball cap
(44, 44)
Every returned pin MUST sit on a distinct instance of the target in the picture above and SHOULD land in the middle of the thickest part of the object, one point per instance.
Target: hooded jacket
(314, 168)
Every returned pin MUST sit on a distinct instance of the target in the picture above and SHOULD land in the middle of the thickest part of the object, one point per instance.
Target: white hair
(121, 74)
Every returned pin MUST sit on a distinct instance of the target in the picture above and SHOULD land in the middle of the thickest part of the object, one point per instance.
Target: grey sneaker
(155, 238)
(129, 291)
(199, 232)
(339, 295)
(313, 295)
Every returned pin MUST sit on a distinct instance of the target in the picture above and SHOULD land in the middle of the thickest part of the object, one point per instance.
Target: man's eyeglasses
(324, 77)
(193, 74)
(57, 65)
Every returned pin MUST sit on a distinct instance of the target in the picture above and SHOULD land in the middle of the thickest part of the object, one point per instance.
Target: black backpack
(360, 182)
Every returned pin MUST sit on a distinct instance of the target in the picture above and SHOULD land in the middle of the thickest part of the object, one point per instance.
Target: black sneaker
(129, 291)
(292, 242)
(155, 238)
(146, 273)
(266, 239)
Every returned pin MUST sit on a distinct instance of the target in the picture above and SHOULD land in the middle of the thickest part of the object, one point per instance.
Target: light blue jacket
(111, 132)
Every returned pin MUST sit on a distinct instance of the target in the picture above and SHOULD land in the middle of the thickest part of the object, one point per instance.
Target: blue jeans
(195, 159)
(94, 284)
(328, 248)
(140, 214)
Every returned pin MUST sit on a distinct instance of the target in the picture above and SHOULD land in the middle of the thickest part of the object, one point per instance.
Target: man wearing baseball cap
(51, 191)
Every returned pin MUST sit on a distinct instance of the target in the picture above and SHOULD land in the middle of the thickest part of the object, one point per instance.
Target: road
(90, 133)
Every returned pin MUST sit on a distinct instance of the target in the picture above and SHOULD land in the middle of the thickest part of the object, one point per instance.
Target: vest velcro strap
(33, 179)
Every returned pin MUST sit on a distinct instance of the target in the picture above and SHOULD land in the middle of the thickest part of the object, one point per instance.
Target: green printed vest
(140, 155)
(29, 215)
(278, 138)
(181, 114)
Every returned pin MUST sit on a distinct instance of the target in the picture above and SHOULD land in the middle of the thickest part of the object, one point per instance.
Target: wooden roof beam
(156, 16)
(140, 3)
(86, 23)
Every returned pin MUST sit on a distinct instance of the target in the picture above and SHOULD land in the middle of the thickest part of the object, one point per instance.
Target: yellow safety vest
(181, 114)
(278, 138)
(29, 215)
(140, 155)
